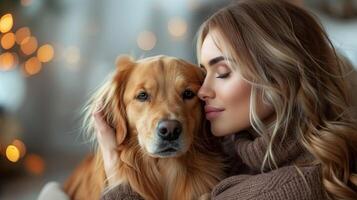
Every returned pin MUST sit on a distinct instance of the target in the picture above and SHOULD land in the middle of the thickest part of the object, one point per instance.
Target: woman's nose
(205, 92)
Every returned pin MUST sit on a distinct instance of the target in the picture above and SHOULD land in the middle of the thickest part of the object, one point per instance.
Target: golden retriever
(166, 149)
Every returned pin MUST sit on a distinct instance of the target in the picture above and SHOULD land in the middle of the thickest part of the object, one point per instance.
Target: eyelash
(222, 76)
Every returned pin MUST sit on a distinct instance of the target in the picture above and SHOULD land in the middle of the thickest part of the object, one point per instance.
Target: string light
(20, 146)
(32, 66)
(193, 5)
(12, 153)
(29, 45)
(34, 164)
(72, 54)
(45, 53)
(146, 40)
(8, 40)
(6, 23)
(7, 61)
(21, 34)
(177, 27)
(26, 2)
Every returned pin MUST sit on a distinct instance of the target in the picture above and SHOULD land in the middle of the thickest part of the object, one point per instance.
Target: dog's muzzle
(168, 131)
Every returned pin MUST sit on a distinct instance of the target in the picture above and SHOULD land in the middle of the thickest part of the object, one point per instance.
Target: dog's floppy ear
(111, 97)
(124, 67)
(123, 61)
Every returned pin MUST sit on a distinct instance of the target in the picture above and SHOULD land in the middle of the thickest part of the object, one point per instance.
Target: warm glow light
(193, 4)
(12, 153)
(45, 53)
(7, 61)
(177, 27)
(26, 2)
(34, 164)
(72, 54)
(29, 45)
(32, 66)
(6, 23)
(20, 146)
(22, 34)
(146, 40)
(8, 40)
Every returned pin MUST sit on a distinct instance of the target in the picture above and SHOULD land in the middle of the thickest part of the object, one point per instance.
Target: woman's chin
(219, 132)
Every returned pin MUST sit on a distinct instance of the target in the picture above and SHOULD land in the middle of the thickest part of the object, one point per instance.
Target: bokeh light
(26, 2)
(193, 4)
(12, 153)
(146, 40)
(7, 61)
(72, 54)
(6, 23)
(8, 40)
(177, 27)
(45, 53)
(29, 45)
(21, 34)
(32, 66)
(20, 146)
(34, 164)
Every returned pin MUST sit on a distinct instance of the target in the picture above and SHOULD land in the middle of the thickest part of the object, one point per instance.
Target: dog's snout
(169, 129)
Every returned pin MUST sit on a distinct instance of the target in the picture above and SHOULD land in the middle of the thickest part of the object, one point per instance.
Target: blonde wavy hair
(285, 54)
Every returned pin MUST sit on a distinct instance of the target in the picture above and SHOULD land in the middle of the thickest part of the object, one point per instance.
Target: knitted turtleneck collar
(286, 150)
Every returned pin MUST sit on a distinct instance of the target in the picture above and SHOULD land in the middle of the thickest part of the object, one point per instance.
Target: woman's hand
(107, 143)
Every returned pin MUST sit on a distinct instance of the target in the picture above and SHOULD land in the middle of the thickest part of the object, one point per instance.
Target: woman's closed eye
(224, 75)
(222, 72)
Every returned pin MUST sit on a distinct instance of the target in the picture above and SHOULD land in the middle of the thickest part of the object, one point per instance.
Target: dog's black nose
(169, 129)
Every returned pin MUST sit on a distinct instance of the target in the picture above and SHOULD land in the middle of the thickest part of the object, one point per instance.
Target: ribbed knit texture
(121, 192)
(284, 183)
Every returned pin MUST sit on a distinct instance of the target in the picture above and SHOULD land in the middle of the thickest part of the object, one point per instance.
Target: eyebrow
(215, 61)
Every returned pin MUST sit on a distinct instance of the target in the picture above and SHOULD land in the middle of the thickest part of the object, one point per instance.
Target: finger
(105, 134)
(106, 139)
(101, 125)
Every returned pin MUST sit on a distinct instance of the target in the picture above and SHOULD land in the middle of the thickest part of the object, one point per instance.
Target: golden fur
(188, 173)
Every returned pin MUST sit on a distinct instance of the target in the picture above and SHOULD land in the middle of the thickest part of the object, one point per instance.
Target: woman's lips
(212, 112)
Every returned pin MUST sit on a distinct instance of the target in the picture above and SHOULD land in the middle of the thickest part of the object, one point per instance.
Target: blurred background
(54, 53)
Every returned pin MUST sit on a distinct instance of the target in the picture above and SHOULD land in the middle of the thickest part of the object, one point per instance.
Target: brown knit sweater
(291, 181)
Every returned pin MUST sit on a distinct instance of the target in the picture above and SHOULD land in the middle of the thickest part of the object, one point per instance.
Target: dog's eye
(188, 94)
(142, 96)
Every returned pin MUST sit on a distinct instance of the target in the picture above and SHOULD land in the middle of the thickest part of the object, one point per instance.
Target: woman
(272, 73)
